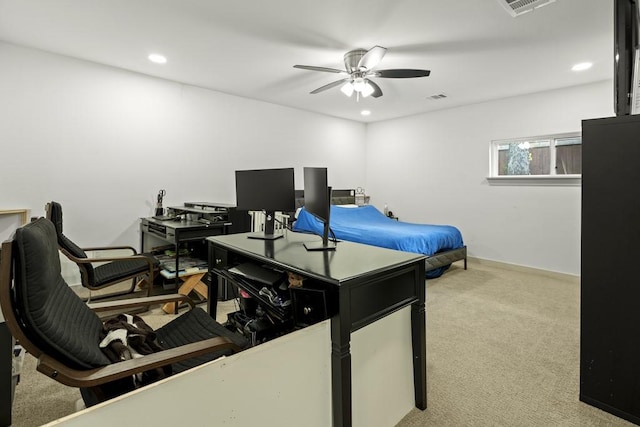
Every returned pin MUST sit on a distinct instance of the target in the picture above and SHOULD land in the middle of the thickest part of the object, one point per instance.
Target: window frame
(551, 180)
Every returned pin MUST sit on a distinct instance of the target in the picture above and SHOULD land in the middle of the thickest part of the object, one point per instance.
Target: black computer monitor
(317, 201)
(267, 190)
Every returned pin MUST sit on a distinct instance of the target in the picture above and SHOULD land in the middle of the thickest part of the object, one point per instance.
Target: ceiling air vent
(518, 7)
(436, 97)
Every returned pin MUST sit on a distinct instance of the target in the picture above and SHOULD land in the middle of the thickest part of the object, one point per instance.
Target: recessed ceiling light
(365, 112)
(582, 66)
(157, 58)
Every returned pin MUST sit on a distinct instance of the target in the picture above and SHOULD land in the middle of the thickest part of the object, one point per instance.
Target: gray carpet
(503, 350)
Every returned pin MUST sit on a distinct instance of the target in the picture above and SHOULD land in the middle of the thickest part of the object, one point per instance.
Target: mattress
(366, 224)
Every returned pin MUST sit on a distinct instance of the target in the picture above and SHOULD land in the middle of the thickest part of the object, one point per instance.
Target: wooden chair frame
(94, 378)
(147, 276)
(150, 275)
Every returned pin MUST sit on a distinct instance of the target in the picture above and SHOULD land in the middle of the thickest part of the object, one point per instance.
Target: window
(553, 159)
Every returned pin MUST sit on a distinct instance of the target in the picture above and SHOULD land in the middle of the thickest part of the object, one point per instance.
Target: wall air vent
(518, 7)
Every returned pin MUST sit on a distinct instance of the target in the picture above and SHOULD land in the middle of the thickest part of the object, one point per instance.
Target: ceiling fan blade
(372, 58)
(377, 92)
(325, 69)
(401, 73)
(330, 85)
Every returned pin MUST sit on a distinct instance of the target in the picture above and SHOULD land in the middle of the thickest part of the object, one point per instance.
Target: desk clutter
(185, 263)
(272, 302)
(191, 272)
(202, 212)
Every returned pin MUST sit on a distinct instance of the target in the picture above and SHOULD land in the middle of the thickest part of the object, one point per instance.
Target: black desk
(369, 283)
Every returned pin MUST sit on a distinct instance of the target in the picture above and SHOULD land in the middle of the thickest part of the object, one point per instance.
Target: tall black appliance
(610, 277)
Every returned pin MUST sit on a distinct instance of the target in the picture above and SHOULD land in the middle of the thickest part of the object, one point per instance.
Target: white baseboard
(525, 269)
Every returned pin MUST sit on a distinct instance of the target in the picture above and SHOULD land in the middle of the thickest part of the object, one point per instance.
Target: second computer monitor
(317, 201)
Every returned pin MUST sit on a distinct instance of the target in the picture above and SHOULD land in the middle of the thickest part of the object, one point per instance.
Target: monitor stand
(269, 228)
(324, 245)
(320, 246)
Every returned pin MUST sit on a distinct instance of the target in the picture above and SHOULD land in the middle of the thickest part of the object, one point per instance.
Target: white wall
(433, 167)
(103, 141)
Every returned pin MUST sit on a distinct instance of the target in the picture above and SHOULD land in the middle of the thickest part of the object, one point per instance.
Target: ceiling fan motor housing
(352, 59)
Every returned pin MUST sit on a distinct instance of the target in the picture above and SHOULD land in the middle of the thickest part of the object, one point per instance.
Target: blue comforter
(366, 224)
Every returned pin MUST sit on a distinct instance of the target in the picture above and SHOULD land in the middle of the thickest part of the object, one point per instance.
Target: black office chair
(54, 325)
(111, 270)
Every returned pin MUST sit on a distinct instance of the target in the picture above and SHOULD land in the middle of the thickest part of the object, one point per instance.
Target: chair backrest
(54, 214)
(49, 313)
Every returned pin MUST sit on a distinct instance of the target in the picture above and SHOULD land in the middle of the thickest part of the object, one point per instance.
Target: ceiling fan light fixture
(347, 89)
(367, 90)
(359, 84)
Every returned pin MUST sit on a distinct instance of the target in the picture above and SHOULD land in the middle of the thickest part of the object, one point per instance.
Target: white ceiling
(475, 50)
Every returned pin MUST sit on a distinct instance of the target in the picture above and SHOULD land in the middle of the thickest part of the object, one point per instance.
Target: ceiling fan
(359, 64)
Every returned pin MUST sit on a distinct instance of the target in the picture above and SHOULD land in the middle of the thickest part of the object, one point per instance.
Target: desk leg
(419, 343)
(212, 301)
(141, 238)
(341, 362)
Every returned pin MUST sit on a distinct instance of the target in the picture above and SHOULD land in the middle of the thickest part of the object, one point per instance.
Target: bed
(442, 244)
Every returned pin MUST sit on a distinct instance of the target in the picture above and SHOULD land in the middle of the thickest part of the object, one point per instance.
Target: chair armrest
(140, 302)
(110, 248)
(111, 258)
(118, 370)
